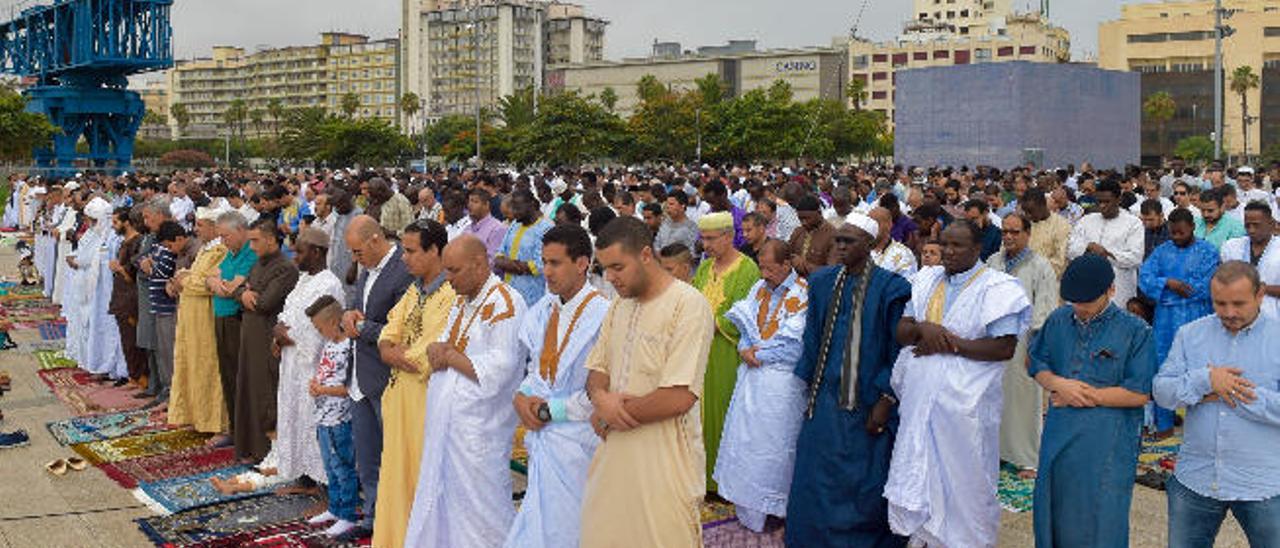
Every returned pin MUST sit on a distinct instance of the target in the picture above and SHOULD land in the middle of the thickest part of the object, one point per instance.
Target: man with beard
(1261, 248)
(1214, 225)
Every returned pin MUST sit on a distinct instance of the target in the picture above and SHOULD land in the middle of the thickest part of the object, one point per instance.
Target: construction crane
(77, 56)
(857, 21)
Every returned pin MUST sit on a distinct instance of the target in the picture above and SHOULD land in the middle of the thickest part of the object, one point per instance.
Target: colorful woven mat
(53, 359)
(77, 389)
(144, 445)
(196, 460)
(729, 533)
(52, 331)
(206, 524)
(1015, 494)
(110, 425)
(177, 494)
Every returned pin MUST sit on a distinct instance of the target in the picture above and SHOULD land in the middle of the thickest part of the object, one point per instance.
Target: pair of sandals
(61, 466)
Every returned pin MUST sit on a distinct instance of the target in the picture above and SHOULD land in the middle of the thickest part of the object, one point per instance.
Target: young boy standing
(333, 418)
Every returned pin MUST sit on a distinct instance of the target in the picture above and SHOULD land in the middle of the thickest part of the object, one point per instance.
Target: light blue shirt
(1227, 453)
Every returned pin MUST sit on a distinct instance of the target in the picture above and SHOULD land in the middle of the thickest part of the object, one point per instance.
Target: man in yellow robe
(196, 395)
(647, 479)
(413, 324)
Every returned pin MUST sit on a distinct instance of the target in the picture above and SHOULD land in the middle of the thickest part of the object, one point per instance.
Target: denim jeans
(1194, 520)
(340, 466)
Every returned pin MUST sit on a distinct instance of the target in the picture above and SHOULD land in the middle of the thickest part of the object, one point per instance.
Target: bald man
(464, 489)
(382, 281)
(887, 252)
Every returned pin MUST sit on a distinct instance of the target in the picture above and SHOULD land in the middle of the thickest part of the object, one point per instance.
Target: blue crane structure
(79, 55)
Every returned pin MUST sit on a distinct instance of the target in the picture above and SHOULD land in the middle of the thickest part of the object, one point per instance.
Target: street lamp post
(475, 52)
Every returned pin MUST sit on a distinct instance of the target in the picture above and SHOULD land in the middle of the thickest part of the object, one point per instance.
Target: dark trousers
(227, 333)
(366, 431)
(134, 357)
(166, 336)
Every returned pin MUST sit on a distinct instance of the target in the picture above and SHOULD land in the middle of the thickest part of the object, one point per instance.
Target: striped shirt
(164, 264)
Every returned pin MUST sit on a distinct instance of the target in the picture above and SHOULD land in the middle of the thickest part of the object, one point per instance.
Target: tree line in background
(666, 125)
(1160, 108)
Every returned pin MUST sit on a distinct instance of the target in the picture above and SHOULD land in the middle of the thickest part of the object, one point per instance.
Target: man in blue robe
(519, 258)
(846, 440)
(1097, 362)
(1176, 276)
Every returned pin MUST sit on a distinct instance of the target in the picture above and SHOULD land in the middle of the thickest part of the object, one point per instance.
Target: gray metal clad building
(1006, 114)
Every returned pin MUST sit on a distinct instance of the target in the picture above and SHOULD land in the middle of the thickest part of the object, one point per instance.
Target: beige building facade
(1014, 37)
(294, 77)
(1172, 44)
(461, 55)
(812, 73)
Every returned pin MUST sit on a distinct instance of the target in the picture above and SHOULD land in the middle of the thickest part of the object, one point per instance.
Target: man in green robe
(724, 278)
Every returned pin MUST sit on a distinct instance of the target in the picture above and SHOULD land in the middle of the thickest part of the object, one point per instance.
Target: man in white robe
(46, 249)
(1112, 233)
(962, 324)
(758, 447)
(93, 338)
(296, 446)
(1260, 248)
(463, 498)
(888, 253)
(65, 232)
(556, 336)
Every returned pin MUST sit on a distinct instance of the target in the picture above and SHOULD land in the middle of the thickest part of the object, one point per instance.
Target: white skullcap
(207, 213)
(98, 209)
(863, 222)
(71, 186)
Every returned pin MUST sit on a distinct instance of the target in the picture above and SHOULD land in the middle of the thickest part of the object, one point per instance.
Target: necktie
(550, 355)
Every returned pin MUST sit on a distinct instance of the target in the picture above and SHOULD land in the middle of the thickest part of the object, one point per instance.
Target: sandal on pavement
(78, 464)
(57, 467)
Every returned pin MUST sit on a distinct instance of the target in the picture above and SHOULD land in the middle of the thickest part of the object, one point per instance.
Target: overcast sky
(201, 24)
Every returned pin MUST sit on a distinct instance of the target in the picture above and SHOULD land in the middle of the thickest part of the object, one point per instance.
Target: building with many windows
(1172, 45)
(291, 77)
(988, 37)
(462, 55)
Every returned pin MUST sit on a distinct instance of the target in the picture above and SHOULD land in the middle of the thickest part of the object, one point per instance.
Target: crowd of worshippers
(850, 352)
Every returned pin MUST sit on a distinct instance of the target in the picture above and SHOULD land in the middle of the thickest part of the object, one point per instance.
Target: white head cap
(98, 209)
(863, 222)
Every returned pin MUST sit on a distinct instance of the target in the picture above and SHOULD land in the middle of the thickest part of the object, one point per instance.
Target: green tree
(569, 129)
(276, 109)
(609, 98)
(650, 89)
(181, 116)
(312, 134)
(236, 115)
(858, 92)
(444, 131)
(1196, 148)
(664, 126)
(256, 117)
(711, 89)
(410, 104)
(1160, 108)
(153, 118)
(350, 104)
(516, 110)
(762, 125)
(20, 131)
(1244, 80)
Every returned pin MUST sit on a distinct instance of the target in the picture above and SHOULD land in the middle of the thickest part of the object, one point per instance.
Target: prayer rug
(144, 445)
(716, 511)
(199, 459)
(77, 389)
(46, 345)
(294, 534)
(29, 314)
(52, 331)
(111, 425)
(1015, 494)
(729, 533)
(208, 523)
(1159, 454)
(177, 494)
(53, 359)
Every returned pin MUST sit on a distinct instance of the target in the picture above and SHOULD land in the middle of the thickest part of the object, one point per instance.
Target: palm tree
(410, 104)
(235, 115)
(858, 92)
(350, 104)
(609, 98)
(256, 116)
(181, 116)
(1160, 108)
(276, 109)
(1243, 80)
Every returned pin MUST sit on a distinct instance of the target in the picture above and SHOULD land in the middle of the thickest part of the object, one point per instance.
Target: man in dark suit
(378, 289)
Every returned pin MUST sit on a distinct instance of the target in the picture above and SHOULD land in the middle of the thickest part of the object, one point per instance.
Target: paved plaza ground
(86, 509)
